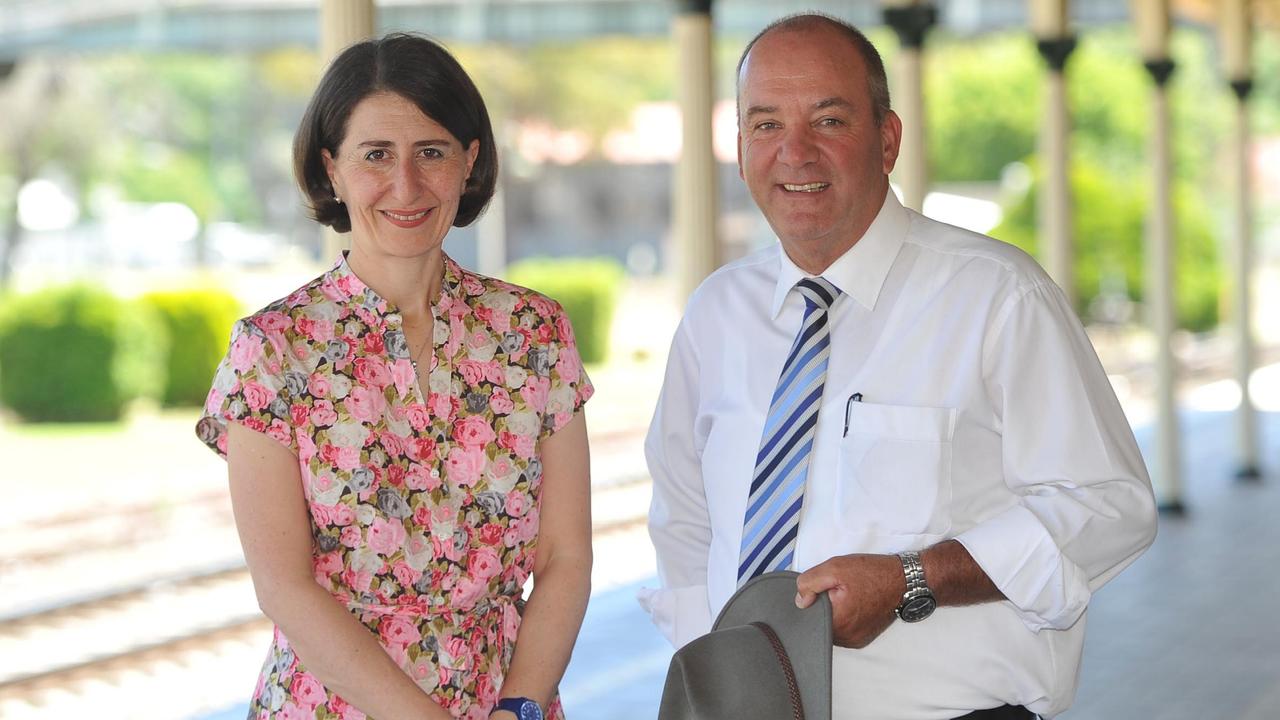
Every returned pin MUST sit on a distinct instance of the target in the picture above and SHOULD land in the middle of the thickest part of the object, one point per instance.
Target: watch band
(918, 602)
(522, 707)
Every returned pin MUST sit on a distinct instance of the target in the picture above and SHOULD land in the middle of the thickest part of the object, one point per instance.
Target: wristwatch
(521, 707)
(918, 602)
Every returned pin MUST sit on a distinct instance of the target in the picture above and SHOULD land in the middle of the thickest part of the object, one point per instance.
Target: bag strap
(793, 688)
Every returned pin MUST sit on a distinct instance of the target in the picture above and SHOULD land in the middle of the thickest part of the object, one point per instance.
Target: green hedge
(587, 288)
(78, 354)
(198, 323)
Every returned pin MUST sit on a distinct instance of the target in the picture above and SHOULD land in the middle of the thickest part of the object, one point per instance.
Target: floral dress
(424, 501)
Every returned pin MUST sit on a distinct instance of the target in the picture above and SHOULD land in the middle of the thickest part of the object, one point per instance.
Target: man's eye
(829, 122)
(767, 125)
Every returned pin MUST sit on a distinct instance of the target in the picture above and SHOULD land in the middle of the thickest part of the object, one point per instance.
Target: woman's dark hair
(417, 69)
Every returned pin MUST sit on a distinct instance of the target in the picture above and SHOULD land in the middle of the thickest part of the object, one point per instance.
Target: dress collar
(348, 287)
(860, 272)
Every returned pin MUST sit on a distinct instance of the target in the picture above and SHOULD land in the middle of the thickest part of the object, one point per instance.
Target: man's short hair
(877, 82)
(421, 71)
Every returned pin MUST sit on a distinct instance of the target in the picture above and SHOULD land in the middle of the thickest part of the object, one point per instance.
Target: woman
(405, 437)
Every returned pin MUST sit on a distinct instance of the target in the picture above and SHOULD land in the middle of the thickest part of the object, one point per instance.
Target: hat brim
(805, 634)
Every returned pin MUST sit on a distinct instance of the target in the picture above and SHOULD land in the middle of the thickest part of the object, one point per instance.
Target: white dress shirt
(985, 417)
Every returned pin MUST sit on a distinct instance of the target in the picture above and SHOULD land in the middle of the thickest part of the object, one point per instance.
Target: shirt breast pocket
(895, 469)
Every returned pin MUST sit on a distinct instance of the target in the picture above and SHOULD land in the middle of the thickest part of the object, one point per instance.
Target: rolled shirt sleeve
(679, 523)
(1085, 509)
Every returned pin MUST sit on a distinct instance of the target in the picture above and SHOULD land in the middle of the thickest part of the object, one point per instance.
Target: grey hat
(763, 659)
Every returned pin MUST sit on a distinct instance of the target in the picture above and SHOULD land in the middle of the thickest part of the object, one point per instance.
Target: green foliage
(1108, 222)
(77, 354)
(983, 108)
(588, 290)
(197, 324)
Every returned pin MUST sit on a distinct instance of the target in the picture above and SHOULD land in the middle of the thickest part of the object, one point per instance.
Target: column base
(1172, 508)
(1248, 473)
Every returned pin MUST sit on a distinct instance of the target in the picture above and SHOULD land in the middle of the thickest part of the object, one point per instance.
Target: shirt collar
(861, 270)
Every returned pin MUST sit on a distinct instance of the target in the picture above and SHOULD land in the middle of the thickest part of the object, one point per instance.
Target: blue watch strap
(522, 707)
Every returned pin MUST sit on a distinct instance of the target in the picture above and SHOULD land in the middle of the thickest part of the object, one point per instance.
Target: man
(907, 412)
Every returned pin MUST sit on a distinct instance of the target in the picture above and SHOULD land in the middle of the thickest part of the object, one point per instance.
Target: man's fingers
(817, 579)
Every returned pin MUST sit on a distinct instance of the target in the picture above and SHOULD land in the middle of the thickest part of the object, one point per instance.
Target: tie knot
(818, 291)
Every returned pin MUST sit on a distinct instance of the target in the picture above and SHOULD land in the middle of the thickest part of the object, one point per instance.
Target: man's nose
(798, 147)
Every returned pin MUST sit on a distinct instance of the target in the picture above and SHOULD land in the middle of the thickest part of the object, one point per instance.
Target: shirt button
(435, 473)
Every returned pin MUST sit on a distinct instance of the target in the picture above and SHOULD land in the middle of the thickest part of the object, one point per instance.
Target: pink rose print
(373, 344)
(244, 351)
(298, 414)
(568, 366)
(421, 449)
(366, 404)
(291, 711)
(256, 396)
(483, 563)
(387, 536)
(402, 374)
(535, 392)
(280, 431)
(565, 330)
(417, 416)
(372, 371)
(473, 431)
(318, 386)
(350, 536)
(542, 305)
(500, 402)
(472, 371)
(443, 406)
(398, 631)
(466, 592)
(417, 478)
(521, 445)
(490, 534)
(343, 458)
(322, 414)
(307, 691)
(464, 465)
(272, 322)
(517, 504)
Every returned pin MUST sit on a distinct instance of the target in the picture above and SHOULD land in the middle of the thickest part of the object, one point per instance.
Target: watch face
(529, 710)
(917, 608)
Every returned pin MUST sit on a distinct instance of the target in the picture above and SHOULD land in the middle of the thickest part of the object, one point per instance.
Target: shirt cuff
(1020, 556)
(680, 614)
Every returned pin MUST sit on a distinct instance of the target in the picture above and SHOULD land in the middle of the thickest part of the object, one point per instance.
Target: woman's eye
(376, 155)
(432, 153)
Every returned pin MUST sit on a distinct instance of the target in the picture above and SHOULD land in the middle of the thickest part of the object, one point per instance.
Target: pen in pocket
(848, 406)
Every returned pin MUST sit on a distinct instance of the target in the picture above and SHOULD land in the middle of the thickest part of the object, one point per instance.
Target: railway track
(59, 648)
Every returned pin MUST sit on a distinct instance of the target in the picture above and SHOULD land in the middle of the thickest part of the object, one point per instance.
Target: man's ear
(890, 139)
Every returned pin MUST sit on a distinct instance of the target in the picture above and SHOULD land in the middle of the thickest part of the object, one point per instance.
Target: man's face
(808, 146)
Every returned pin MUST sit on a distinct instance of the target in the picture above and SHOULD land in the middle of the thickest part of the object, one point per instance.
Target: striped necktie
(777, 489)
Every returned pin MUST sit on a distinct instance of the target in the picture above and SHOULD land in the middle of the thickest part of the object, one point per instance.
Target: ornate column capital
(1242, 87)
(694, 7)
(911, 22)
(1160, 70)
(1055, 51)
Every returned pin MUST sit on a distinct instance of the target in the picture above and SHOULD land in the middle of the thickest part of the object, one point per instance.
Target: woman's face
(400, 174)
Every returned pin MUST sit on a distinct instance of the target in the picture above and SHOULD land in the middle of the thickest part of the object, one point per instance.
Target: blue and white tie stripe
(772, 518)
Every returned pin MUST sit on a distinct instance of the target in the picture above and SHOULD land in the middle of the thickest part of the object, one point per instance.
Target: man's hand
(864, 590)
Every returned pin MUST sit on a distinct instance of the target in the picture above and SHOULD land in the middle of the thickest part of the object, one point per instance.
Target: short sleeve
(570, 388)
(249, 388)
